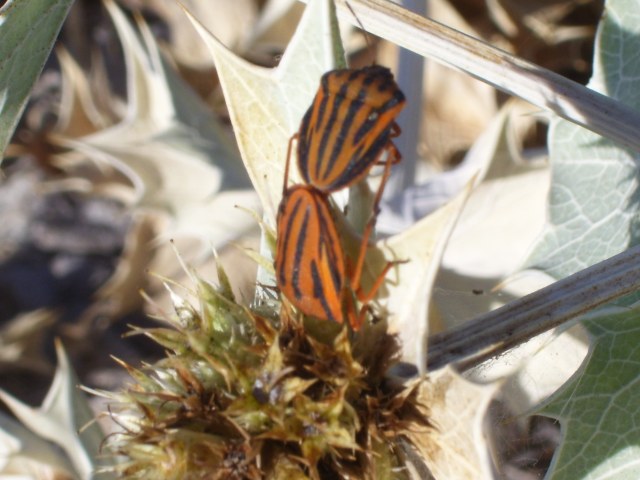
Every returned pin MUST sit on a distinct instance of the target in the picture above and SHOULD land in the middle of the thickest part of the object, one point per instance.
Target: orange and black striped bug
(345, 132)
(348, 127)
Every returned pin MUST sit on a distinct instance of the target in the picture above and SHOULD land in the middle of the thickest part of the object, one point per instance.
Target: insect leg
(368, 229)
(393, 155)
(286, 166)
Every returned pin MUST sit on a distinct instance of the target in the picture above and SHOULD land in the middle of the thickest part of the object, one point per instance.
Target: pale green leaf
(62, 414)
(27, 33)
(594, 192)
(593, 209)
(409, 284)
(171, 148)
(598, 408)
(266, 105)
(493, 235)
(23, 453)
(477, 259)
(457, 447)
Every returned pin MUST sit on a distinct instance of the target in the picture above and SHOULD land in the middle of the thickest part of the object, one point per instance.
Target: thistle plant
(253, 393)
(262, 391)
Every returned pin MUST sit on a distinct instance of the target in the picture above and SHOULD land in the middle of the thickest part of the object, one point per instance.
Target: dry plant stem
(495, 332)
(541, 87)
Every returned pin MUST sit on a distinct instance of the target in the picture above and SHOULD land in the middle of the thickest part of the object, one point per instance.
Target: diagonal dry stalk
(513, 75)
(497, 331)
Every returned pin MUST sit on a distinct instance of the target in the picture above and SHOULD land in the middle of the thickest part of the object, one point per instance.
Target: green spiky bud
(243, 394)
